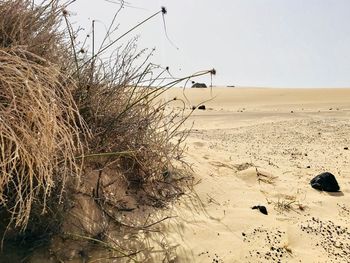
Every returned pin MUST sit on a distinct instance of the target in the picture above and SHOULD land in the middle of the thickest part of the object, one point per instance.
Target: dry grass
(39, 132)
(265, 178)
(64, 112)
(288, 204)
(34, 28)
(130, 127)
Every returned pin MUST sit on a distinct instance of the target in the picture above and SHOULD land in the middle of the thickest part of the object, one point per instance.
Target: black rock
(346, 148)
(261, 208)
(199, 85)
(201, 107)
(325, 182)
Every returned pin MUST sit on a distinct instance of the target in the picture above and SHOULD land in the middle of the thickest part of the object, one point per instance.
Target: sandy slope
(262, 147)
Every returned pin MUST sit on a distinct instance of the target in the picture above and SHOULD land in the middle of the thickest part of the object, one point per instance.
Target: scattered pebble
(271, 245)
(335, 239)
(214, 258)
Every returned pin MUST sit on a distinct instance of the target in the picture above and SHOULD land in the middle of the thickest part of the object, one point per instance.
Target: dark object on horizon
(261, 208)
(231, 86)
(198, 85)
(325, 182)
(201, 107)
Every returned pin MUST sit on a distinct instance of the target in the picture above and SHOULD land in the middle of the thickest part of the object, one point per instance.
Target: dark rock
(261, 208)
(199, 85)
(325, 182)
(201, 107)
(346, 148)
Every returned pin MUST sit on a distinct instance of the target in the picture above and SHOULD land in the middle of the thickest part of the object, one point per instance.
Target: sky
(260, 43)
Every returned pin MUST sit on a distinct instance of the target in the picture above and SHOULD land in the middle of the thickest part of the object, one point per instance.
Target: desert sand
(262, 146)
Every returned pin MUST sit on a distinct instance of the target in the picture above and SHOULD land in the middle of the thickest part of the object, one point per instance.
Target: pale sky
(273, 43)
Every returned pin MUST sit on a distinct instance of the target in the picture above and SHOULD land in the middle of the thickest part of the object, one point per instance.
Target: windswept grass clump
(65, 112)
(40, 127)
(33, 28)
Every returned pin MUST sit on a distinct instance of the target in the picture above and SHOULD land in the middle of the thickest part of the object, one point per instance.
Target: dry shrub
(60, 107)
(34, 28)
(39, 133)
(131, 130)
(40, 125)
(40, 85)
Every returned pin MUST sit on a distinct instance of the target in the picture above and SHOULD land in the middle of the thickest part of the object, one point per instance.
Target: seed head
(65, 12)
(164, 11)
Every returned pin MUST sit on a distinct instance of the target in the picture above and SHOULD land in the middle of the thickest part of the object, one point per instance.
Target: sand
(262, 147)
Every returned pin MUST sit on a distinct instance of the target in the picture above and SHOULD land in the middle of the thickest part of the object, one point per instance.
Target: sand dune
(262, 147)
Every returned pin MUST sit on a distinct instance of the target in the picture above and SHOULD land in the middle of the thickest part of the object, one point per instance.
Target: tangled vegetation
(75, 128)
